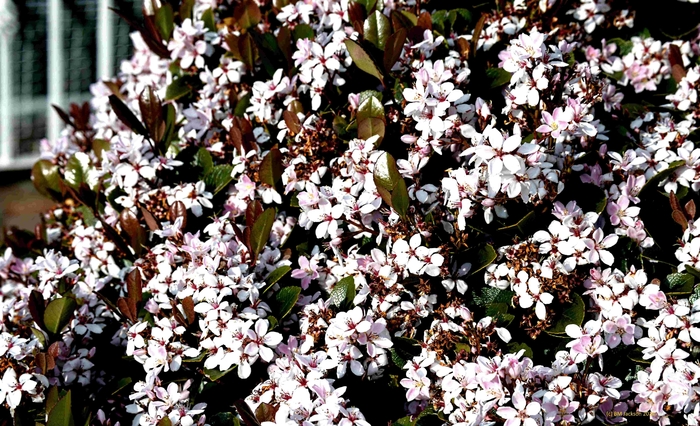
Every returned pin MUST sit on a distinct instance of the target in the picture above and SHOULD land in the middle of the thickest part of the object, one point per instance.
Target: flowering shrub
(368, 212)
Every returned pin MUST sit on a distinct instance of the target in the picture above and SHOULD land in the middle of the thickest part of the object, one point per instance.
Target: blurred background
(51, 51)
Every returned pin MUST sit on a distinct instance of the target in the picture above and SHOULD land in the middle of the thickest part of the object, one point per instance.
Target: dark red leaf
(178, 210)
(150, 219)
(134, 285)
(126, 116)
(188, 307)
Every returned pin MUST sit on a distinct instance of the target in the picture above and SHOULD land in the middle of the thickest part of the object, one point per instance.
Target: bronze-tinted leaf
(680, 219)
(676, 60)
(284, 42)
(126, 116)
(63, 115)
(247, 14)
(356, 12)
(127, 307)
(37, 305)
(253, 211)
(137, 234)
(188, 308)
(150, 219)
(248, 51)
(134, 285)
(690, 209)
(403, 20)
(675, 205)
(178, 210)
(292, 122)
(393, 48)
(246, 414)
(152, 113)
(477, 33)
(266, 412)
(425, 21)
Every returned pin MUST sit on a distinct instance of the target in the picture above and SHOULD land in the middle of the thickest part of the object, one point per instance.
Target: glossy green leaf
(58, 313)
(177, 89)
(260, 233)
(303, 31)
(386, 174)
(46, 178)
(165, 21)
(498, 77)
(209, 20)
(275, 276)
(371, 127)
(271, 167)
(126, 116)
(219, 178)
(61, 413)
(343, 292)
(363, 60)
(77, 169)
(403, 19)
(655, 180)
(572, 314)
(215, 374)
(287, 297)
(679, 280)
(377, 29)
(399, 198)
(370, 107)
(203, 159)
(515, 347)
(483, 257)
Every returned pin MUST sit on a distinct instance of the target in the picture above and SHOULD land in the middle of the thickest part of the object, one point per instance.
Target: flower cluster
(283, 213)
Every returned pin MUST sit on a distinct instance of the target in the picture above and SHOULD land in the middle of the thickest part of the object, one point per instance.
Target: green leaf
(261, 231)
(660, 176)
(692, 271)
(572, 314)
(209, 20)
(177, 89)
(303, 31)
(287, 297)
(242, 105)
(370, 127)
(386, 174)
(46, 179)
(483, 257)
(61, 414)
(363, 60)
(680, 279)
(165, 21)
(203, 159)
(215, 374)
(275, 276)
(271, 167)
(499, 312)
(219, 178)
(343, 292)
(491, 295)
(58, 313)
(403, 19)
(370, 107)
(377, 29)
(522, 225)
(624, 46)
(514, 347)
(120, 384)
(397, 359)
(498, 77)
(399, 198)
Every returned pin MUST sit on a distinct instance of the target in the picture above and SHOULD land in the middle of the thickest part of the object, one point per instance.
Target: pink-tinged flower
(669, 356)
(597, 246)
(308, 270)
(523, 412)
(620, 330)
(555, 123)
(621, 213)
(418, 385)
(246, 188)
(262, 341)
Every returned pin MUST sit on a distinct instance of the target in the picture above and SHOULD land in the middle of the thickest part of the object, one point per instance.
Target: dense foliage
(360, 212)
